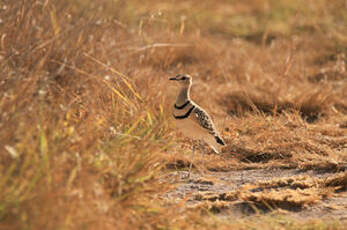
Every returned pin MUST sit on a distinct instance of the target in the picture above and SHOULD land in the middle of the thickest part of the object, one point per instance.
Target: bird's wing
(204, 120)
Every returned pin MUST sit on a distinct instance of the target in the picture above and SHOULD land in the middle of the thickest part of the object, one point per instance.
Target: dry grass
(85, 129)
(288, 193)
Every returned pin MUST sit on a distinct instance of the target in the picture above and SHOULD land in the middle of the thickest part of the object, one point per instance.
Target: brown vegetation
(85, 124)
(288, 193)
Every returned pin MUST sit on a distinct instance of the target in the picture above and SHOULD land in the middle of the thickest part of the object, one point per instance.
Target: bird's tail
(216, 143)
(219, 140)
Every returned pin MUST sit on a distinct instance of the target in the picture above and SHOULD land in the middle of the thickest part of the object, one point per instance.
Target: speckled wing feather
(204, 120)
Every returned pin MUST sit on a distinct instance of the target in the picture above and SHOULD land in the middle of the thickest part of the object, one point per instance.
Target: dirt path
(300, 194)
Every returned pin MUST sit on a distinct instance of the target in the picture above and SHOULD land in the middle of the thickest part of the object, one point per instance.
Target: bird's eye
(184, 78)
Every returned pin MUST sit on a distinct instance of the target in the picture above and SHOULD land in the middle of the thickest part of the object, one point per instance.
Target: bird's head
(182, 79)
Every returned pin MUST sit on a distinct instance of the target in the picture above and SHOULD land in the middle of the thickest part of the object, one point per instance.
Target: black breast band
(185, 115)
(182, 106)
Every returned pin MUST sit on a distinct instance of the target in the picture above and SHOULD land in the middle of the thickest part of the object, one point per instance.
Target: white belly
(190, 129)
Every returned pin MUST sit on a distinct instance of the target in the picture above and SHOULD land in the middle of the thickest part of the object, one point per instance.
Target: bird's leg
(191, 161)
(202, 154)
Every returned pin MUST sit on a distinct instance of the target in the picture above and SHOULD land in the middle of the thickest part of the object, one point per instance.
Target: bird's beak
(173, 78)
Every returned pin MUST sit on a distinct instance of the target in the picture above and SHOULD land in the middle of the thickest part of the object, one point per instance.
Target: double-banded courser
(191, 119)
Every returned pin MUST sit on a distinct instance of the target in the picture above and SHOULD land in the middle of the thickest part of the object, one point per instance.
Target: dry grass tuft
(211, 207)
(310, 105)
(288, 193)
(285, 199)
(339, 182)
(210, 196)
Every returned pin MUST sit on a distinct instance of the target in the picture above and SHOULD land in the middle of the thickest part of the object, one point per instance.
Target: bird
(192, 120)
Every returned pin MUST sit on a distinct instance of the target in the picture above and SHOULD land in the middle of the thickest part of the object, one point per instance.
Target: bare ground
(245, 193)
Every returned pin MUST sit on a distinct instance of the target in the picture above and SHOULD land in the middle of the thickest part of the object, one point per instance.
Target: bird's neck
(183, 95)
